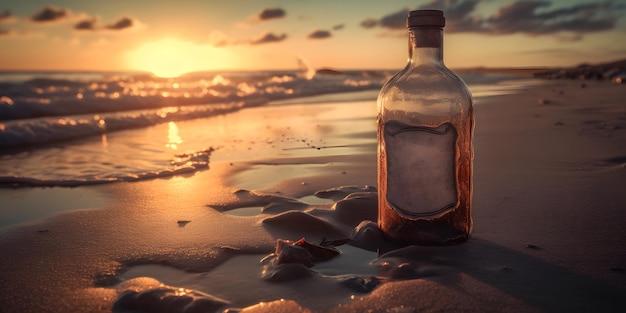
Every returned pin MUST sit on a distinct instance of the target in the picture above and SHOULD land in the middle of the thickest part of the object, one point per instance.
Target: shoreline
(547, 209)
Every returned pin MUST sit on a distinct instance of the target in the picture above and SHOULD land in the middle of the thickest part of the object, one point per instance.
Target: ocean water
(81, 128)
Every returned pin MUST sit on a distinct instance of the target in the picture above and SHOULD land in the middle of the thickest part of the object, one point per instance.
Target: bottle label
(420, 168)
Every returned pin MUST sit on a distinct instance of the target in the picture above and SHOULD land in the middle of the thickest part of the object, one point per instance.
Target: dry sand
(549, 212)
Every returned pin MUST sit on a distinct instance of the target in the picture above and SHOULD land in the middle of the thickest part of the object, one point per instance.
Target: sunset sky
(192, 35)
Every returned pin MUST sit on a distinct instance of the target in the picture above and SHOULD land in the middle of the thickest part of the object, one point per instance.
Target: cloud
(532, 18)
(339, 26)
(523, 17)
(265, 15)
(10, 33)
(458, 15)
(395, 20)
(268, 38)
(122, 23)
(50, 14)
(219, 39)
(370, 23)
(319, 34)
(271, 13)
(6, 17)
(79, 21)
(88, 24)
(455, 9)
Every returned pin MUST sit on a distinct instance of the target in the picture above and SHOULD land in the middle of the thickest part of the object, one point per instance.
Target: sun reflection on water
(173, 138)
(105, 141)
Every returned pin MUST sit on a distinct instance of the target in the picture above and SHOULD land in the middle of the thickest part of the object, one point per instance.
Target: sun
(171, 57)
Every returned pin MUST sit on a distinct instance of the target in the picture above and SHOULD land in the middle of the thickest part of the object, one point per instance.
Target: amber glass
(425, 153)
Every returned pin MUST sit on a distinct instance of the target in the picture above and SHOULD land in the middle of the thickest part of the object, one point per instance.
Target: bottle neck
(426, 46)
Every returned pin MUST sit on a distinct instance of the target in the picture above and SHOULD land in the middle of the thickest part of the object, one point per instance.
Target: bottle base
(428, 242)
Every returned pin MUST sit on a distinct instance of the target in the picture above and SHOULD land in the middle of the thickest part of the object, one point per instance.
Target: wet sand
(548, 219)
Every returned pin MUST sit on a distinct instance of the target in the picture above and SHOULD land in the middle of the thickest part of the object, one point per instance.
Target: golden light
(172, 57)
(173, 138)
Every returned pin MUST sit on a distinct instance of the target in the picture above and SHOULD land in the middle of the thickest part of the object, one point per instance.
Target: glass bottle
(425, 153)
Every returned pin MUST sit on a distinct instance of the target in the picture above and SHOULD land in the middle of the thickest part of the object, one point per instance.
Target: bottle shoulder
(427, 91)
(425, 82)
(427, 75)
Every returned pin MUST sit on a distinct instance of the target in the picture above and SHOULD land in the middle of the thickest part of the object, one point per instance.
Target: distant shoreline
(597, 71)
(611, 71)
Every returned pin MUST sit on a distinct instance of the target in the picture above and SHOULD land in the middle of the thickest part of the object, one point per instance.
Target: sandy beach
(549, 211)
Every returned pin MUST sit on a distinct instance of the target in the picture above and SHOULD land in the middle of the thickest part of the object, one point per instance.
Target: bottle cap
(419, 18)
